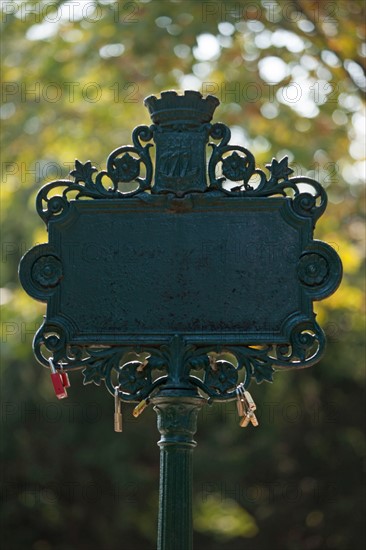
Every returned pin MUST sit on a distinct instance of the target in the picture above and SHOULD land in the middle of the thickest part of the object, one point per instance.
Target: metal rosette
(319, 270)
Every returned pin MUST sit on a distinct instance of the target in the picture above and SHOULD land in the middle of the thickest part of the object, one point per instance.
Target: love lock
(60, 381)
(246, 407)
(65, 378)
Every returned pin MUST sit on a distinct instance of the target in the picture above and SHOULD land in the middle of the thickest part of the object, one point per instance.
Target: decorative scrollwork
(240, 166)
(221, 377)
(307, 343)
(122, 167)
(175, 365)
(180, 137)
(235, 167)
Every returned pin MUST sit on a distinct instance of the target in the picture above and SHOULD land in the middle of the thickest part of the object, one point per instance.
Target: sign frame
(179, 190)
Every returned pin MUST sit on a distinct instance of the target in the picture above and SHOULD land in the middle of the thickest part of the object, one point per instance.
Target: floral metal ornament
(47, 271)
(313, 269)
(126, 168)
(235, 168)
(199, 275)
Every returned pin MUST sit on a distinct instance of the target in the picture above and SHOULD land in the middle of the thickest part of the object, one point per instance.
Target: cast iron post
(177, 405)
(177, 424)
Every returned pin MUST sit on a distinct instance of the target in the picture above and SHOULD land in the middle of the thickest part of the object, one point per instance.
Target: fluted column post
(177, 424)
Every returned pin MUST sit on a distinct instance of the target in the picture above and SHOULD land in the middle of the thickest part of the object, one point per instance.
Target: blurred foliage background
(291, 80)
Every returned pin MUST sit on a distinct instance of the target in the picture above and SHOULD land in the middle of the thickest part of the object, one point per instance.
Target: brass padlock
(239, 402)
(117, 411)
(246, 407)
(140, 407)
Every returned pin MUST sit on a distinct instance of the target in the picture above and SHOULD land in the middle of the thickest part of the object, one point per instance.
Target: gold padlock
(254, 419)
(249, 401)
(240, 407)
(140, 407)
(245, 421)
(239, 401)
(117, 412)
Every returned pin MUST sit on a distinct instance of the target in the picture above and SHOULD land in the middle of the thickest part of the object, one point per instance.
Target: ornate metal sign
(171, 284)
(182, 255)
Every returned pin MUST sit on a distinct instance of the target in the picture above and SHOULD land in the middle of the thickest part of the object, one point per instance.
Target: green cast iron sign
(223, 261)
(174, 281)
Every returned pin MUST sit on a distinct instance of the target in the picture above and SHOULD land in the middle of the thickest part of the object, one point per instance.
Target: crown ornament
(191, 107)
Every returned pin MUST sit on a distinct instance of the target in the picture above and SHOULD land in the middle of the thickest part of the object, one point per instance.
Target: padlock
(251, 406)
(239, 403)
(56, 378)
(117, 411)
(65, 378)
(254, 419)
(245, 421)
(140, 407)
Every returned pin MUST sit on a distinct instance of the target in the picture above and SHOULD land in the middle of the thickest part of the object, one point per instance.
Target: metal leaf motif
(222, 376)
(84, 172)
(279, 169)
(92, 374)
(262, 371)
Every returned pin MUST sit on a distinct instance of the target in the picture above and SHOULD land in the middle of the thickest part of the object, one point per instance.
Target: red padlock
(65, 378)
(56, 378)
